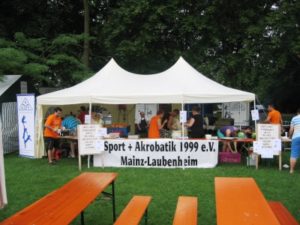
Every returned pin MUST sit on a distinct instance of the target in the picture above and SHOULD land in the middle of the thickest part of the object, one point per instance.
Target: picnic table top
(64, 204)
(240, 201)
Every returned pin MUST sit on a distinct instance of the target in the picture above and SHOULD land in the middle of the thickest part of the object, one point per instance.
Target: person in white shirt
(294, 134)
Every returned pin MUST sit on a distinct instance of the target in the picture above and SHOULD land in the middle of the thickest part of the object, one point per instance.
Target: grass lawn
(30, 179)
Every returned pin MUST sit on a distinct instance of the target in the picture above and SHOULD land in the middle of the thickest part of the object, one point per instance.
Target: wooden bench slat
(282, 214)
(186, 211)
(134, 211)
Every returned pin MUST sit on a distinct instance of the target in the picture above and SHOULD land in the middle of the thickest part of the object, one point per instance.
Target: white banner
(26, 109)
(158, 153)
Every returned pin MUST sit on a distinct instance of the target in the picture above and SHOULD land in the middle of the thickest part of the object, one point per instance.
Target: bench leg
(82, 217)
(112, 196)
(146, 217)
(113, 201)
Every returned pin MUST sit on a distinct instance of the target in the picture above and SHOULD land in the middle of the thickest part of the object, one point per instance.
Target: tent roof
(181, 83)
(7, 81)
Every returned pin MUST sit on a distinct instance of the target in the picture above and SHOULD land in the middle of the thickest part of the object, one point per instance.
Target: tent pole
(240, 117)
(254, 104)
(182, 124)
(90, 115)
(90, 110)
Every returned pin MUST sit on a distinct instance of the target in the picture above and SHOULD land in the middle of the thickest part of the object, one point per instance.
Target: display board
(149, 110)
(158, 153)
(268, 142)
(239, 111)
(26, 110)
(90, 139)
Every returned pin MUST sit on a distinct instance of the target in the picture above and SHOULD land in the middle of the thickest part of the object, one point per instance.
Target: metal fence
(9, 118)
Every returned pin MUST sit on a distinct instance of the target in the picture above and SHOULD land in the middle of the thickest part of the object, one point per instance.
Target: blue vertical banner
(26, 110)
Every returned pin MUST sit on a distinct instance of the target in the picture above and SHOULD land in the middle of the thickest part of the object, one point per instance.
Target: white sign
(268, 138)
(90, 139)
(26, 109)
(158, 153)
(183, 116)
(255, 115)
(87, 119)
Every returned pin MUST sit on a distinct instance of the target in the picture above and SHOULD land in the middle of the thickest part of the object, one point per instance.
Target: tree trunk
(86, 44)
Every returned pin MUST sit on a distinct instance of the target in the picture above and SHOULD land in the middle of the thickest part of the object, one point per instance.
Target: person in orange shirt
(274, 116)
(52, 132)
(156, 125)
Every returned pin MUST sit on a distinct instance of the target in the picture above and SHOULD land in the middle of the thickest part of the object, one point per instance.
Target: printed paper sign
(268, 135)
(183, 116)
(255, 115)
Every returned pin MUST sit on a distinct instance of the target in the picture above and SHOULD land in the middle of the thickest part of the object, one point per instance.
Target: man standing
(294, 133)
(141, 125)
(274, 116)
(51, 133)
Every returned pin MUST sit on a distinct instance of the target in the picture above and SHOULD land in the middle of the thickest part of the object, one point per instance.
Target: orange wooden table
(239, 201)
(63, 205)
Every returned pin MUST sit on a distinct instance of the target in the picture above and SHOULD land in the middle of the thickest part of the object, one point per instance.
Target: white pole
(90, 114)
(182, 124)
(240, 117)
(255, 109)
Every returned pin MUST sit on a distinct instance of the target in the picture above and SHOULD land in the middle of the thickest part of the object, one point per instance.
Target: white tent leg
(182, 124)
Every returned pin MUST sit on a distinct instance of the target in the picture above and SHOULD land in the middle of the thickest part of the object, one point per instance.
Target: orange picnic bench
(134, 211)
(186, 211)
(282, 213)
(63, 205)
(239, 201)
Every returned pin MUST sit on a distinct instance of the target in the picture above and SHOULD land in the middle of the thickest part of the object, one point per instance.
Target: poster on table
(26, 110)
(158, 153)
(268, 142)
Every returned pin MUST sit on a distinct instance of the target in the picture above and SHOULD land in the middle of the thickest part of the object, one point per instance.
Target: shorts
(51, 143)
(295, 148)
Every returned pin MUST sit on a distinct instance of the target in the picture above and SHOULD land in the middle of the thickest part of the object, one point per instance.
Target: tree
(55, 63)
(86, 45)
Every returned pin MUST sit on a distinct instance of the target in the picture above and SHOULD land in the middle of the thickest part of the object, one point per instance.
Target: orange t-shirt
(153, 131)
(275, 117)
(54, 122)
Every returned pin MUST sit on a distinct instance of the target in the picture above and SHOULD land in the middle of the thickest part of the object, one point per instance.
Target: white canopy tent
(181, 83)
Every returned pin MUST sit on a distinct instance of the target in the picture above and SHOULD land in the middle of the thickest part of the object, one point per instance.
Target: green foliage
(11, 60)
(250, 45)
(55, 62)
